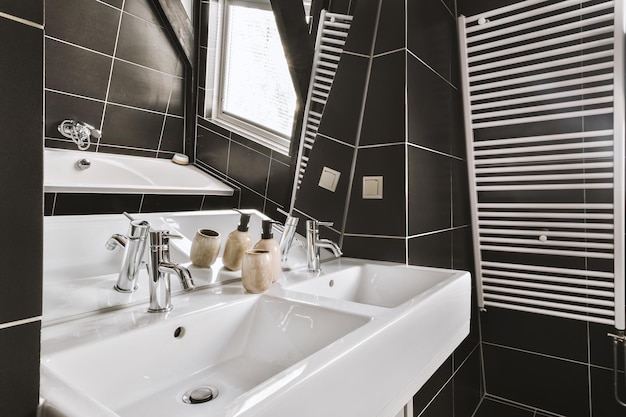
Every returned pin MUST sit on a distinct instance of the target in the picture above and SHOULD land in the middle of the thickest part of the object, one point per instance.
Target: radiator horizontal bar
(541, 87)
(523, 120)
(563, 206)
(544, 76)
(547, 177)
(551, 269)
(549, 287)
(537, 22)
(552, 167)
(518, 16)
(332, 32)
(547, 233)
(543, 55)
(541, 44)
(542, 107)
(536, 187)
(562, 225)
(573, 94)
(542, 138)
(545, 215)
(554, 313)
(337, 16)
(526, 37)
(569, 307)
(537, 158)
(489, 290)
(544, 251)
(547, 243)
(543, 278)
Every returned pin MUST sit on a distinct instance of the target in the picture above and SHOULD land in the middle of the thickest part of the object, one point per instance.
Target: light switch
(329, 179)
(373, 187)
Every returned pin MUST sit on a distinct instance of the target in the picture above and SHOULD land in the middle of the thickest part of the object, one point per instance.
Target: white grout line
(20, 322)
(20, 20)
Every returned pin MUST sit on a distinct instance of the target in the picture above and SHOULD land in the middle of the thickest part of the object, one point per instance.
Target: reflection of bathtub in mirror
(111, 173)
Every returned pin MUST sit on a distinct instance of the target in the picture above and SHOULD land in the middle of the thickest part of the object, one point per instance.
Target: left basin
(234, 348)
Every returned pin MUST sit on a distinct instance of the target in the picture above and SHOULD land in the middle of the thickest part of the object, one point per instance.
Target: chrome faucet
(159, 270)
(314, 243)
(287, 235)
(134, 246)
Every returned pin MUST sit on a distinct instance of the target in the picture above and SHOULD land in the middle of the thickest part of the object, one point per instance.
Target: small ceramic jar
(205, 248)
(257, 270)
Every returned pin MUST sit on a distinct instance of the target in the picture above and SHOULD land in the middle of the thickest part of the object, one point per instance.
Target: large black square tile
(19, 370)
(76, 70)
(248, 167)
(552, 384)
(60, 107)
(430, 200)
(492, 408)
(26, 9)
(147, 44)
(69, 203)
(160, 203)
(375, 248)
(429, 390)
(128, 127)
(432, 115)
(342, 112)
(442, 405)
(173, 136)
(220, 202)
(251, 200)
(280, 183)
(142, 9)
(431, 32)
(554, 336)
(385, 111)
(434, 249)
(385, 216)
(177, 97)
(602, 393)
(461, 209)
(212, 149)
(601, 345)
(319, 202)
(462, 249)
(390, 34)
(136, 86)
(468, 386)
(100, 32)
(361, 36)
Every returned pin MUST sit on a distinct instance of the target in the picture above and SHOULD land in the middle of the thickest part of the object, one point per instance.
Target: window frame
(214, 109)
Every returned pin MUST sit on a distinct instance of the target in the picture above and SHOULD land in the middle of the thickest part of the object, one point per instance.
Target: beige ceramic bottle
(268, 243)
(239, 241)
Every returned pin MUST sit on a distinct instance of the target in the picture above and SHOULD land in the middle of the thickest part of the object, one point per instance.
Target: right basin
(378, 284)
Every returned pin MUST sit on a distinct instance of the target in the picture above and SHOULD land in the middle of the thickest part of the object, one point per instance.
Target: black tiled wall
(544, 364)
(394, 110)
(119, 72)
(21, 169)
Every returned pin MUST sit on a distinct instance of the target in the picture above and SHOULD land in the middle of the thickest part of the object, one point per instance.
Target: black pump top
(243, 221)
(266, 225)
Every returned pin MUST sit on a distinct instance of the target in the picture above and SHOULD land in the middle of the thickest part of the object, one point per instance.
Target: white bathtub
(123, 174)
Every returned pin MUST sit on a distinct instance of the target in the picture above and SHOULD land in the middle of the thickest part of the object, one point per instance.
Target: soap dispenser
(268, 243)
(239, 241)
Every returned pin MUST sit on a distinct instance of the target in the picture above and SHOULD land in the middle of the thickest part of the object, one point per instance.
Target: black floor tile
(492, 408)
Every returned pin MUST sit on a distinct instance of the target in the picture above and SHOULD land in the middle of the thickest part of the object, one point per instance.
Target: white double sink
(358, 339)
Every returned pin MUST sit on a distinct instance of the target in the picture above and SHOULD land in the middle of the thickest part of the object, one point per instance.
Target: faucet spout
(183, 274)
(159, 272)
(314, 243)
(329, 244)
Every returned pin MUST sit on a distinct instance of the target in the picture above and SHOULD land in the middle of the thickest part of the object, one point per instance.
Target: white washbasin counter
(372, 370)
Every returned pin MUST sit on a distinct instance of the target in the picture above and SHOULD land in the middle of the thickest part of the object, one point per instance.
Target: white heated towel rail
(544, 119)
(331, 37)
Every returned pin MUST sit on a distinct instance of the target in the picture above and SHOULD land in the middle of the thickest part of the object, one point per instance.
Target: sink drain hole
(200, 395)
(179, 332)
(331, 283)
